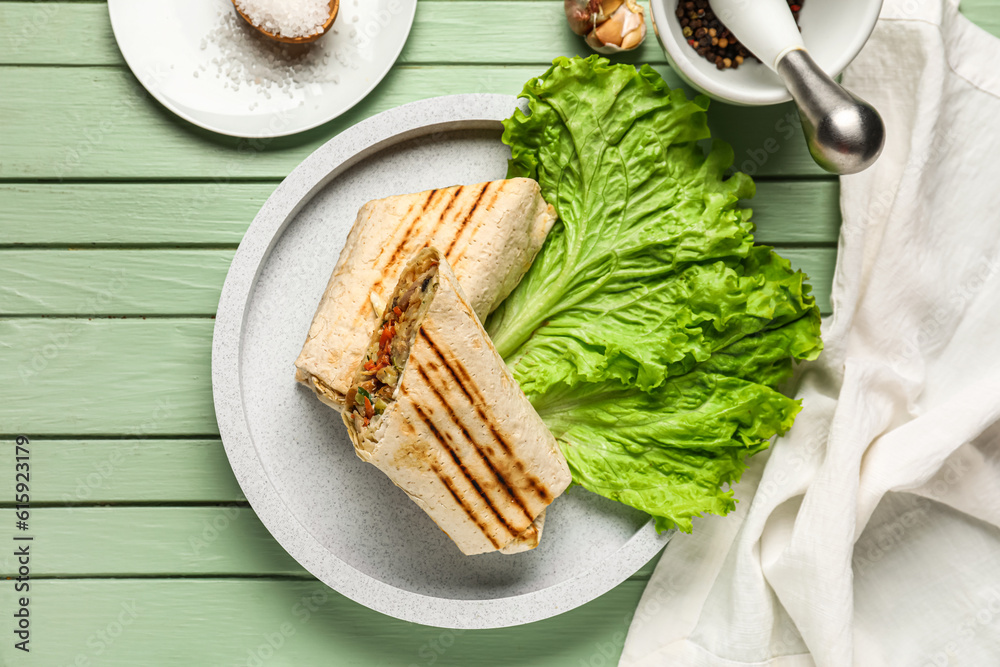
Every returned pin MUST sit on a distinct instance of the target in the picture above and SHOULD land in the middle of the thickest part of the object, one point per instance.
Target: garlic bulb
(580, 15)
(610, 26)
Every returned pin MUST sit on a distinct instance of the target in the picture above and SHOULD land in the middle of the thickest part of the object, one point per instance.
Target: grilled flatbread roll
(434, 407)
(489, 232)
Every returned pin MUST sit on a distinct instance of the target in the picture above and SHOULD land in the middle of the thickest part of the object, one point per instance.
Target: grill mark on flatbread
(409, 210)
(479, 223)
(424, 225)
(447, 481)
(456, 193)
(465, 383)
(468, 216)
(485, 457)
(395, 257)
(431, 203)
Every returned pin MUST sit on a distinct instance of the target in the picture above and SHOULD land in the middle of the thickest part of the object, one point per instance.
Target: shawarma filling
(376, 381)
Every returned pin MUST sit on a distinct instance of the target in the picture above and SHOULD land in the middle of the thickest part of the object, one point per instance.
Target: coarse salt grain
(288, 18)
(250, 59)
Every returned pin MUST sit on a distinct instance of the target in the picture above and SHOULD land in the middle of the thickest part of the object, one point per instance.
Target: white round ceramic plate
(342, 519)
(208, 66)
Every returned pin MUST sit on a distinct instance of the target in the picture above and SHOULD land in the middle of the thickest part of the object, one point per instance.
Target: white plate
(342, 519)
(162, 42)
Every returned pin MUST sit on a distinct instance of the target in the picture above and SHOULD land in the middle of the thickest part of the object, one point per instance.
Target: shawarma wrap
(435, 408)
(489, 233)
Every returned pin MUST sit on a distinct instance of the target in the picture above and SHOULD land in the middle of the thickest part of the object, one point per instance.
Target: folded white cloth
(873, 535)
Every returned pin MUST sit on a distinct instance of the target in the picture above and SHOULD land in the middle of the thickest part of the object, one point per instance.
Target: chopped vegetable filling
(387, 354)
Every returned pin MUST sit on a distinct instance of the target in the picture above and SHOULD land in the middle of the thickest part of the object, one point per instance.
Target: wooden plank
(103, 282)
(455, 32)
(254, 622)
(791, 212)
(81, 30)
(226, 540)
(127, 470)
(102, 376)
(97, 123)
(181, 214)
(162, 541)
(174, 214)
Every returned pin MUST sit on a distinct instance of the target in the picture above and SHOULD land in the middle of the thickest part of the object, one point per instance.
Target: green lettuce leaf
(650, 333)
(667, 452)
(642, 332)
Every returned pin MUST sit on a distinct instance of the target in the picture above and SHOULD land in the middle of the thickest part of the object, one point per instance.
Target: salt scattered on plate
(248, 59)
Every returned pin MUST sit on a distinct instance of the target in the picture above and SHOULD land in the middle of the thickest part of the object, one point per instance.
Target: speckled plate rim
(423, 118)
(143, 78)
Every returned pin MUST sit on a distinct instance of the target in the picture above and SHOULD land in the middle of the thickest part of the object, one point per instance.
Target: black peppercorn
(712, 40)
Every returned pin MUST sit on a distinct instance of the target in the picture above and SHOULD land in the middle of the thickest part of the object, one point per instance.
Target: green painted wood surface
(128, 470)
(217, 214)
(293, 623)
(106, 282)
(72, 376)
(143, 541)
(131, 469)
(141, 214)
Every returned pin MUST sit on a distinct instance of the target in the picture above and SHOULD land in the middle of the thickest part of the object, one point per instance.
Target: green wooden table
(117, 225)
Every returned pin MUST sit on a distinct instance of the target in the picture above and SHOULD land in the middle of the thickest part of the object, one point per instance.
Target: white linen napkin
(873, 535)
